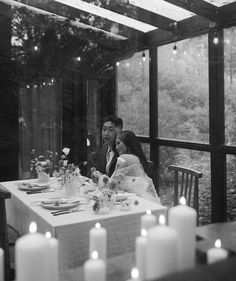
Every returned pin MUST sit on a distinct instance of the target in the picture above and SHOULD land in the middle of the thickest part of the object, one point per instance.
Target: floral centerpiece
(41, 166)
(68, 174)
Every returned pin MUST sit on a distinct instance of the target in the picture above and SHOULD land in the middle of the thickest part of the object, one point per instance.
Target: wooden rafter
(75, 13)
(190, 27)
(139, 14)
(201, 8)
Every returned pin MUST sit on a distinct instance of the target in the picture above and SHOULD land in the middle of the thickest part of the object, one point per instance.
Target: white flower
(77, 172)
(66, 150)
(44, 163)
(65, 162)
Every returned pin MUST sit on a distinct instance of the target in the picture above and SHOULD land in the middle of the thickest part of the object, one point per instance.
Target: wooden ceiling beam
(190, 27)
(98, 37)
(137, 13)
(201, 8)
(75, 14)
(228, 12)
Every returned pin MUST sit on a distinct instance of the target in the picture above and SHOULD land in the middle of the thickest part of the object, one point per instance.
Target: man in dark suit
(108, 155)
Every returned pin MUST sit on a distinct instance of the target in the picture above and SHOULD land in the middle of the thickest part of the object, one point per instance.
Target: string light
(175, 49)
(78, 59)
(117, 63)
(36, 48)
(144, 56)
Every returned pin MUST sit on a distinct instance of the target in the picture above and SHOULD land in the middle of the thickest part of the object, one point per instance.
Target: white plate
(60, 203)
(36, 186)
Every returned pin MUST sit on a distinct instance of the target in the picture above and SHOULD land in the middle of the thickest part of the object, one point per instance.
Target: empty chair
(186, 183)
(3, 232)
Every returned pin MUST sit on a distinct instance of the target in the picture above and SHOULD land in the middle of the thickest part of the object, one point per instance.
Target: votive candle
(217, 253)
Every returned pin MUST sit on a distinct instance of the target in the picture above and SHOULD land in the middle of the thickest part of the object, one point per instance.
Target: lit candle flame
(33, 227)
(134, 273)
(48, 235)
(94, 255)
(148, 212)
(144, 232)
(98, 225)
(162, 220)
(182, 201)
(218, 243)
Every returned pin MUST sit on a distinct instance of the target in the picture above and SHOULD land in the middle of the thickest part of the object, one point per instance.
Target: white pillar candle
(32, 256)
(98, 241)
(148, 220)
(135, 274)
(183, 219)
(162, 250)
(140, 254)
(1, 264)
(94, 268)
(217, 253)
(53, 257)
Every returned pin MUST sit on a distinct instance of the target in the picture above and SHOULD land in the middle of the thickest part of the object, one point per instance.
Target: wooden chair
(4, 194)
(186, 183)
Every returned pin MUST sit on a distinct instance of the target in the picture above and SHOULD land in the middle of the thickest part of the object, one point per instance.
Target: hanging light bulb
(36, 48)
(144, 56)
(117, 63)
(215, 39)
(175, 49)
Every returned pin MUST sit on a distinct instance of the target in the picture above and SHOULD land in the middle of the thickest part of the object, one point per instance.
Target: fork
(62, 212)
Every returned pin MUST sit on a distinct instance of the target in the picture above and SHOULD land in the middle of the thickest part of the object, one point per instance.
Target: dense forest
(183, 109)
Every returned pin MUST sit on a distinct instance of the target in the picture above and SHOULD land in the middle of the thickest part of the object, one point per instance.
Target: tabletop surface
(86, 215)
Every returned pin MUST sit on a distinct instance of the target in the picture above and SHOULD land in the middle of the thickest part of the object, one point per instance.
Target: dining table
(72, 229)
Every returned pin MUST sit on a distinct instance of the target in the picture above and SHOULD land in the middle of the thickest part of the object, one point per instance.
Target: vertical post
(9, 133)
(153, 113)
(217, 134)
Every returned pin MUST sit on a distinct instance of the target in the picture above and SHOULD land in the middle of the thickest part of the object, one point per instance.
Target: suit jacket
(102, 161)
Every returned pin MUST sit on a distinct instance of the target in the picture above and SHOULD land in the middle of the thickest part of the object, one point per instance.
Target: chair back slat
(186, 183)
(190, 191)
(176, 188)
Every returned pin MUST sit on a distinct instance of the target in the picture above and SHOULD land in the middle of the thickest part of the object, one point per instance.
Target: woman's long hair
(134, 147)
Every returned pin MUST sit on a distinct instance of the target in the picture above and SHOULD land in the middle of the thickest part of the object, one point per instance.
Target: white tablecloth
(72, 229)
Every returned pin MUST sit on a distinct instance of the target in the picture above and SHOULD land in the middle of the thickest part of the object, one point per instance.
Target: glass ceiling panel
(61, 18)
(101, 12)
(163, 8)
(220, 3)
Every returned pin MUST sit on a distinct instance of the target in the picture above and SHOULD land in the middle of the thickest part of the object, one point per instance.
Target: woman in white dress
(132, 169)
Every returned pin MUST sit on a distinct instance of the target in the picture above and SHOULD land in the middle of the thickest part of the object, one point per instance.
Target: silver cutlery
(62, 212)
(38, 191)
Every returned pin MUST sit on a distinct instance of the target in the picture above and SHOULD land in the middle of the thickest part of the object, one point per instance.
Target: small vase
(43, 177)
(71, 188)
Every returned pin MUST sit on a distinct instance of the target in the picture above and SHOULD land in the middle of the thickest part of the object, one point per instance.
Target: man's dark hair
(118, 122)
